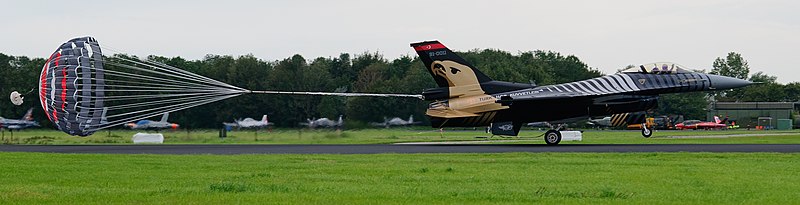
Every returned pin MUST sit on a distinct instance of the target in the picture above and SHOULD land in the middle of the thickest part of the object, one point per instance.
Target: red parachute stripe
(58, 57)
(64, 88)
(43, 89)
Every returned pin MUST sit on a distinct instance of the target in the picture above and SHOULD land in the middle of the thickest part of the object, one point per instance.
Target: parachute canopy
(72, 87)
(16, 98)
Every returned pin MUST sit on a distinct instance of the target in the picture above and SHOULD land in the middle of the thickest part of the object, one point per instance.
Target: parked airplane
(396, 121)
(25, 122)
(468, 98)
(697, 124)
(323, 123)
(600, 122)
(153, 125)
(249, 123)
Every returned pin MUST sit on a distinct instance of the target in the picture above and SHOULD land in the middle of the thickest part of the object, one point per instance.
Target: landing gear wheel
(646, 132)
(552, 137)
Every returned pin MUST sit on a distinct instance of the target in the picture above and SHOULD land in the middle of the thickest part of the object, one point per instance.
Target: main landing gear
(553, 136)
(646, 132)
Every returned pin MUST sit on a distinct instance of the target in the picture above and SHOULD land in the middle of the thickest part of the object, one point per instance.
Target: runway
(376, 149)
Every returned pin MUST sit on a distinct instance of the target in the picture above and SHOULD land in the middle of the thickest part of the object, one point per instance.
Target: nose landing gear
(646, 132)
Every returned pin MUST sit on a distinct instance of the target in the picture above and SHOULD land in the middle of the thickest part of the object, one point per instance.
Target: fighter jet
(153, 125)
(697, 124)
(25, 122)
(600, 122)
(323, 123)
(465, 97)
(249, 123)
(396, 121)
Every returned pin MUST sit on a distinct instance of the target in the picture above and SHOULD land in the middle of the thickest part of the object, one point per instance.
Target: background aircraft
(25, 122)
(323, 123)
(600, 122)
(468, 98)
(249, 123)
(697, 124)
(396, 121)
(153, 125)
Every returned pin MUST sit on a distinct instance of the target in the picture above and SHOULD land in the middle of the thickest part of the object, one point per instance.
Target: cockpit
(657, 68)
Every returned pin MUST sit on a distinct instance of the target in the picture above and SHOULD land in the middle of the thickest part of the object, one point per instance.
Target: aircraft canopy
(657, 68)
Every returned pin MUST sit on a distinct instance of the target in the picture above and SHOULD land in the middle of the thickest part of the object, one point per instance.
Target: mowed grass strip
(510, 178)
(397, 135)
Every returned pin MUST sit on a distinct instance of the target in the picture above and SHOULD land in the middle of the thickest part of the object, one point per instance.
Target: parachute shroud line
(83, 91)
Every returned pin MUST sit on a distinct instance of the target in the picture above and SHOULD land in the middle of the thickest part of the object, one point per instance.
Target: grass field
(383, 136)
(512, 178)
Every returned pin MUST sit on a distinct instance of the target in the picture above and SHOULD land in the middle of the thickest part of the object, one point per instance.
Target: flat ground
(388, 136)
(512, 178)
(508, 178)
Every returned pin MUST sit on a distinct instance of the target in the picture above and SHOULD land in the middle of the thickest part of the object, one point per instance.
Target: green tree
(792, 91)
(762, 77)
(733, 66)
(690, 105)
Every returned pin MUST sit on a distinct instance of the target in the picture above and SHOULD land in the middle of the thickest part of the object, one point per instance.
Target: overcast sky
(604, 34)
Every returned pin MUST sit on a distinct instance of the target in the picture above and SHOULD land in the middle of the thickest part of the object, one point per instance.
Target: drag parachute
(71, 86)
(83, 88)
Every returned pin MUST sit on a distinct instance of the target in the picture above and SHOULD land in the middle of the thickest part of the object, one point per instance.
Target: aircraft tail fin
(164, 118)
(724, 120)
(717, 120)
(340, 122)
(411, 119)
(264, 119)
(28, 115)
(447, 68)
(103, 118)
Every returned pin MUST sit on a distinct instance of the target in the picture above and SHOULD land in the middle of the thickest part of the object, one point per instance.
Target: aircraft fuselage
(601, 96)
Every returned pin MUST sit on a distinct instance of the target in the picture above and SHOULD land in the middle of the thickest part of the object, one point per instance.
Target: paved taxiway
(374, 149)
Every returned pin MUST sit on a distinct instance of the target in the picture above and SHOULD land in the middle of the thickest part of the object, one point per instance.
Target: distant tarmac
(383, 148)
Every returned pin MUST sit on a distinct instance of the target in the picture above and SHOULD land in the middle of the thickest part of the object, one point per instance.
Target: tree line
(365, 72)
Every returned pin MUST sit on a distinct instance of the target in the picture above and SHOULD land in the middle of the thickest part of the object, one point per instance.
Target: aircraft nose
(719, 82)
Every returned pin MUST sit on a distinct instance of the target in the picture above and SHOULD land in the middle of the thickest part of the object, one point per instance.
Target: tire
(552, 137)
(646, 133)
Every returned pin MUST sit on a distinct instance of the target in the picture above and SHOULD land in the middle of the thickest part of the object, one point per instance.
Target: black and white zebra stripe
(621, 83)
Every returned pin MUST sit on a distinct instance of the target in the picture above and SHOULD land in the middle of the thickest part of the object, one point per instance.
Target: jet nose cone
(719, 82)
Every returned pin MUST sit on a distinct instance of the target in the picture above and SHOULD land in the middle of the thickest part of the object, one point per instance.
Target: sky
(606, 35)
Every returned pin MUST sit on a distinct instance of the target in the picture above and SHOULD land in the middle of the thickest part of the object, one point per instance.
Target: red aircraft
(697, 124)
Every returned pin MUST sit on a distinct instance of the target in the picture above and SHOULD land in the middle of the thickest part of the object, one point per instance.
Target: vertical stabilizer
(28, 115)
(164, 118)
(447, 68)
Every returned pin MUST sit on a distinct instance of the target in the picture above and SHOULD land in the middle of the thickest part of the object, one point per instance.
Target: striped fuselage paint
(601, 96)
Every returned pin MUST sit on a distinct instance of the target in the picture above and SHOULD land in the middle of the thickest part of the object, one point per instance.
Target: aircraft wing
(540, 93)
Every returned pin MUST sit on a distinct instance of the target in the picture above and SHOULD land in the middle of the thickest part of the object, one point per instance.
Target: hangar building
(771, 115)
